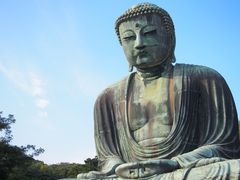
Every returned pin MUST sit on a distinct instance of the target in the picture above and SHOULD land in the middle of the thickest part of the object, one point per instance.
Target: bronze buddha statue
(165, 120)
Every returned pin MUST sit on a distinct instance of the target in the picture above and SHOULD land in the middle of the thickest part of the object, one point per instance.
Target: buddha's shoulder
(119, 84)
(115, 88)
(196, 71)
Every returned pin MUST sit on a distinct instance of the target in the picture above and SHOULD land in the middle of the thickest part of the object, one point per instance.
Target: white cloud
(15, 76)
(28, 82)
(36, 85)
(42, 103)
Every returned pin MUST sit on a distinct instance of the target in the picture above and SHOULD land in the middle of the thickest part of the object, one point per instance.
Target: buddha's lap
(228, 169)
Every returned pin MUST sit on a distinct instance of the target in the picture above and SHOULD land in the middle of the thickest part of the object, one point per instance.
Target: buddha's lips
(140, 53)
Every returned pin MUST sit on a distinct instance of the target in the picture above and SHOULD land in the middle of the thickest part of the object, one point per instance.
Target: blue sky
(56, 56)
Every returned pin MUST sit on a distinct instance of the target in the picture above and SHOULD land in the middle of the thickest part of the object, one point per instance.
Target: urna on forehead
(145, 9)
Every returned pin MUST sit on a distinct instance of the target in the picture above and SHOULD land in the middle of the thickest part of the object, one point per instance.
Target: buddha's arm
(190, 158)
(217, 123)
(107, 144)
(105, 139)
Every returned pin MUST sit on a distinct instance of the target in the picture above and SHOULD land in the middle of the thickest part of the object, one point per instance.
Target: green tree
(91, 164)
(5, 128)
(18, 163)
(14, 161)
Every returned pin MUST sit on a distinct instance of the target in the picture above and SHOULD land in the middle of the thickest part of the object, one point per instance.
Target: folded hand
(147, 168)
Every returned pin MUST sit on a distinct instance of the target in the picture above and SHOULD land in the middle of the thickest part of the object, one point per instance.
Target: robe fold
(205, 123)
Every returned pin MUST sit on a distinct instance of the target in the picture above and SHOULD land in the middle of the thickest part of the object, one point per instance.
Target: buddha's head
(146, 33)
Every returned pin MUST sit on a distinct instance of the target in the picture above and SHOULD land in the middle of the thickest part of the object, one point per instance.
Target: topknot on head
(145, 9)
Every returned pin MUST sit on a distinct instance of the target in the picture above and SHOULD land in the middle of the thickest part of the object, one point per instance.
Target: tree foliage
(5, 128)
(14, 159)
(71, 170)
(18, 163)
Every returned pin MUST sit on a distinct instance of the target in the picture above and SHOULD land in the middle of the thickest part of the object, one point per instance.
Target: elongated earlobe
(130, 67)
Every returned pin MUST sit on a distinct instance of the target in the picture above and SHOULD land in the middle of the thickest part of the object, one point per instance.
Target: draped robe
(204, 130)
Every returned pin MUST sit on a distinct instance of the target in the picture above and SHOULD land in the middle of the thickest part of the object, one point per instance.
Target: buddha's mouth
(141, 53)
(142, 58)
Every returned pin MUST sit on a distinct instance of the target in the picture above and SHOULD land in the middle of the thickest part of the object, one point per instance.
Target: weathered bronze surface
(163, 121)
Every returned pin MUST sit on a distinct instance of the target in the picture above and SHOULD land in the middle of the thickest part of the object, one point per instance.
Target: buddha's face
(145, 41)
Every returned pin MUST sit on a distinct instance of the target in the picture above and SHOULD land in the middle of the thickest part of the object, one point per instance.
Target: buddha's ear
(130, 67)
(173, 58)
(173, 41)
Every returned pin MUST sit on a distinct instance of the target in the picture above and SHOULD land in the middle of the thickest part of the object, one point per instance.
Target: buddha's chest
(149, 105)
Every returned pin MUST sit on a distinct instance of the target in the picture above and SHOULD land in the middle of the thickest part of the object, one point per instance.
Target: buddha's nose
(139, 43)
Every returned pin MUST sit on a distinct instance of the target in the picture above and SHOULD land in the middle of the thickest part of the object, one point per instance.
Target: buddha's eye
(149, 30)
(128, 36)
(152, 32)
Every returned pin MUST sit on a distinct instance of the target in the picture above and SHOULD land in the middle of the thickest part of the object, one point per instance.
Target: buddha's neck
(154, 72)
